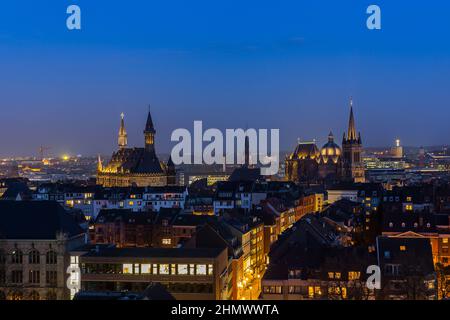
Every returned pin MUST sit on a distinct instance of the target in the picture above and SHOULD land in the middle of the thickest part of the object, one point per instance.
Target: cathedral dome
(305, 150)
(330, 150)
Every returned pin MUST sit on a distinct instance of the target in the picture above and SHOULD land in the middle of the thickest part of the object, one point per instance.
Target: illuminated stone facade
(353, 167)
(136, 166)
(309, 165)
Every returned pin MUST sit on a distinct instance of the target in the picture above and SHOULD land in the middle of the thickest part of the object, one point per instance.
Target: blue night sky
(270, 64)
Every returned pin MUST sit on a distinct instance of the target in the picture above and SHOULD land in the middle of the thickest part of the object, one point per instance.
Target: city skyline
(291, 66)
(136, 141)
(194, 153)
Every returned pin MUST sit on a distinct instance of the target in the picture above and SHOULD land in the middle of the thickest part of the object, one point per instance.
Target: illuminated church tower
(123, 138)
(353, 168)
(136, 166)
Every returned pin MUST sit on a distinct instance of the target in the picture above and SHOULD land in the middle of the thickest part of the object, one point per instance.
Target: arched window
(17, 256)
(34, 295)
(51, 257)
(34, 257)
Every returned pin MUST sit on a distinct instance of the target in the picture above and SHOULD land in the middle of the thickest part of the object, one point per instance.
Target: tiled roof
(35, 220)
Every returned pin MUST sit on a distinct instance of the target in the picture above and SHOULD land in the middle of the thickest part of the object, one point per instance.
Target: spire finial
(351, 101)
(351, 133)
(123, 140)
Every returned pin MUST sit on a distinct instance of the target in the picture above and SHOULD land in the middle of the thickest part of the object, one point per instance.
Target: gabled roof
(35, 220)
(15, 190)
(414, 255)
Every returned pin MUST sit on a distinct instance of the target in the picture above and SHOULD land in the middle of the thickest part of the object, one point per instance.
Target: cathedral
(136, 166)
(308, 164)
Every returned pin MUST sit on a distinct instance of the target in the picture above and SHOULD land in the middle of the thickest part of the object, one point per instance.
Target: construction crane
(42, 150)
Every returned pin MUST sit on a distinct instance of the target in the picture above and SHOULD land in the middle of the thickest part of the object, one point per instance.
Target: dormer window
(391, 225)
(403, 225)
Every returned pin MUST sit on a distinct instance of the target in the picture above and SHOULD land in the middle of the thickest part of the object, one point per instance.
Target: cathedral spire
(123, 138)
(351, 134)
(99, 164)
(149, 133)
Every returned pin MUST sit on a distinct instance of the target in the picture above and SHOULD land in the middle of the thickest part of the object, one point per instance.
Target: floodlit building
(136, 166)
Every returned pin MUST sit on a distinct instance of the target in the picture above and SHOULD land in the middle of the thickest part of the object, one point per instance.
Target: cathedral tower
(123, 138)
(352, 149)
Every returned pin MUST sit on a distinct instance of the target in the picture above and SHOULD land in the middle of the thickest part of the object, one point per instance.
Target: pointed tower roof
(351, 134)
(99, 164)
(122, 130)
(122, 139)
(149, 124)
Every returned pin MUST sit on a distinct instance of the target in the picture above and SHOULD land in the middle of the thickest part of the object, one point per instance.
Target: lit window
(155, 269)
(136, 268)
(344, 292)
(130, 203)
(408, 199)
(409, 207)
(164, 269)
(402, 248)
(445, 240)
(192, 269)
(354, 275)
(201, 269)
(173, 269)
(210, 269)
(127, 268)
(331, 275)
(318, 291)
(311, 292)
(146, 268)
(338, 275)
(167, 241)
(182, 269)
